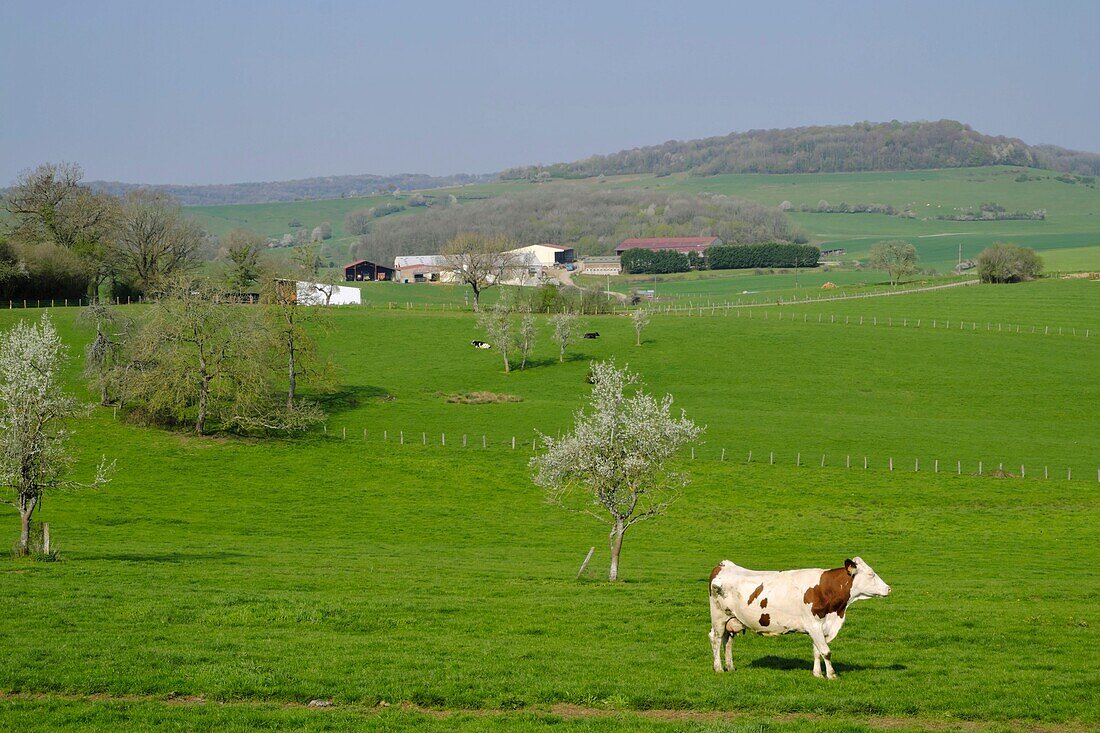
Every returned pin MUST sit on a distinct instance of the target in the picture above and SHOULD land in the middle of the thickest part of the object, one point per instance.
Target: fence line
(887, 321)
(727, 455)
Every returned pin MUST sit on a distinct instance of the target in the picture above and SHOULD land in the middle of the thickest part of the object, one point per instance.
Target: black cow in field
(592, 335)
(480, 344)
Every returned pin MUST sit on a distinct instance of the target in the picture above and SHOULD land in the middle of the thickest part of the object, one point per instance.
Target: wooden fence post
(848, 461)
(865, 463)
(424, 438)
(823, 460)
(386, 436)
(750, 457)
(464, 440)
(513, 442)
(443, 438)
(959, 468)
(45, 538)
(771, 459)
(723, 454)
(798, 459)
(937, 465)
(585, 563)
(483, 441)
(402, 437)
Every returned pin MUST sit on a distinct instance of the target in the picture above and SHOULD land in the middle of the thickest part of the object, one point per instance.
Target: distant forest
(593, 221)
(328, 187)
(843, 148)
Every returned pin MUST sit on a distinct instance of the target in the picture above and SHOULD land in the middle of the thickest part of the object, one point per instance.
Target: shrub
(1008, 263)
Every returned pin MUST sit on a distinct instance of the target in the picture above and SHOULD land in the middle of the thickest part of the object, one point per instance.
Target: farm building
(548, 255)
(602, 265)
(677, 244)
(307, 293)
(421, 269)
(365, 270)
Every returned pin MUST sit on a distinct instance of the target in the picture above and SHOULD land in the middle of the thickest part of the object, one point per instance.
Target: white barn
(548, 255)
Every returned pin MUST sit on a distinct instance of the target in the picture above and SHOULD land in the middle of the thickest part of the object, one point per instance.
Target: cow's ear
(850, 566)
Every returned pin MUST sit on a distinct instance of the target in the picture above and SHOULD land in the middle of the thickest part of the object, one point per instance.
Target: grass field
(264, 574)
(1070, 232)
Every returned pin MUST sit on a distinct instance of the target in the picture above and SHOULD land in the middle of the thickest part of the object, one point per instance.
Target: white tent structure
(315, 294)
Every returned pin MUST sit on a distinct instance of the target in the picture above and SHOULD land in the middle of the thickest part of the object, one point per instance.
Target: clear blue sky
(198, 92)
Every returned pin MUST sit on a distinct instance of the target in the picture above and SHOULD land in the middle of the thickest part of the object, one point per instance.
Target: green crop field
(420, 583)
(1069, 237)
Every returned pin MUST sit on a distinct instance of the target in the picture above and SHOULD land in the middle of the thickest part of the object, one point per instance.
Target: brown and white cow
(769, 602)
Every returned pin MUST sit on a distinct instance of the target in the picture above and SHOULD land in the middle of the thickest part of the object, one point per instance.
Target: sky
(232, 91)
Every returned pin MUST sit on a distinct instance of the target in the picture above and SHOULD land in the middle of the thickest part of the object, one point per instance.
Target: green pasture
(351, 567)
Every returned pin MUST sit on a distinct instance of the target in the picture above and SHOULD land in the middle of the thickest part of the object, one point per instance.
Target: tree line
(842, 148)
(594, 221)
(721, 257)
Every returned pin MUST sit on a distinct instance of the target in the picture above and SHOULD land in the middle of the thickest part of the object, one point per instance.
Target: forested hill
(844, 148)
(328, 187)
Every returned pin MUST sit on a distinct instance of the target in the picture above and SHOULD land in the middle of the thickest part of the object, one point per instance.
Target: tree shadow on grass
(553, 362)
(799, 663)
(165, 557)
(348, 397)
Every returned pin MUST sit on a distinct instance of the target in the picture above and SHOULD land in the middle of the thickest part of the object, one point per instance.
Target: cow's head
(865, 581)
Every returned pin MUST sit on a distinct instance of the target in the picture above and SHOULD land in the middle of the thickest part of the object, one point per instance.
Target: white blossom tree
(564, 325)
(527, 333)
(497, 322)
(613, 466)
(639, 319)
(34, 456)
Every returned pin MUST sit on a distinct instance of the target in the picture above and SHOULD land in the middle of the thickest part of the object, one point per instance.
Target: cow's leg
(729, 651)
(821, 651)
(717, 638)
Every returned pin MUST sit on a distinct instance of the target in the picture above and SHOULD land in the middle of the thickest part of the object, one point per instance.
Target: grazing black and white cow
(592, 335)
(480, 344)
(769, 602)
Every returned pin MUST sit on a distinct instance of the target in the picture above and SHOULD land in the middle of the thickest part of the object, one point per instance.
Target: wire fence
(836, 460)
(887, 321)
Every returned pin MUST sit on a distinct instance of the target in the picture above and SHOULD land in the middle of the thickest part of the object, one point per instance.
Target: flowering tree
(613, 465)
(34, 457)
(639, 319)
(564, 325)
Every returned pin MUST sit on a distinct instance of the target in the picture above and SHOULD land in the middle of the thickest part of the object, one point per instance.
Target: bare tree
(480, 261)
(34, 457)
(613, 465)
(564, 325)
(896, 257)
(497, 322)
(287, 318)
(155, 241)
(639, 319)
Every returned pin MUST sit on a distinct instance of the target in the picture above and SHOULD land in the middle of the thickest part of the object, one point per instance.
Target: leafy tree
(1008, 263)
(897, 258)
(103, 355)
(199, 357)
(613, 466)
(243, 253)
(564, 324)
(287, 318)
(480, 261)
(34, 455)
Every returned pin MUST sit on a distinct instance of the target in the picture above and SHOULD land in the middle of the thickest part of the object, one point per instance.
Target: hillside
(327, 187)
(592, 219)
(889, 146)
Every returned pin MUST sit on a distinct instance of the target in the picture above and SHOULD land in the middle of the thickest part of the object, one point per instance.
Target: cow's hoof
(818, 674)
(832, 676)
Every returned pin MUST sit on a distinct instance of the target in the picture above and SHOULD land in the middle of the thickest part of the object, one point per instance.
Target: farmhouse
(602, 265)
(548, 255)
(677, 244)
(366, 270)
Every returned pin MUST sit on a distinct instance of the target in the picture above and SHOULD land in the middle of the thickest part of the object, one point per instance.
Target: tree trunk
(477, 300)
(26, 509)
(292, 376)
(617, 532)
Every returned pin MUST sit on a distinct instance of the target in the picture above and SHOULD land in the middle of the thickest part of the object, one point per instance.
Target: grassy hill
(350, 567)
(1069, 237)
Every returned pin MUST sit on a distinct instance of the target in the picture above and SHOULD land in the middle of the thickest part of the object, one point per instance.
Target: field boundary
(559, 710)
(744, 456)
